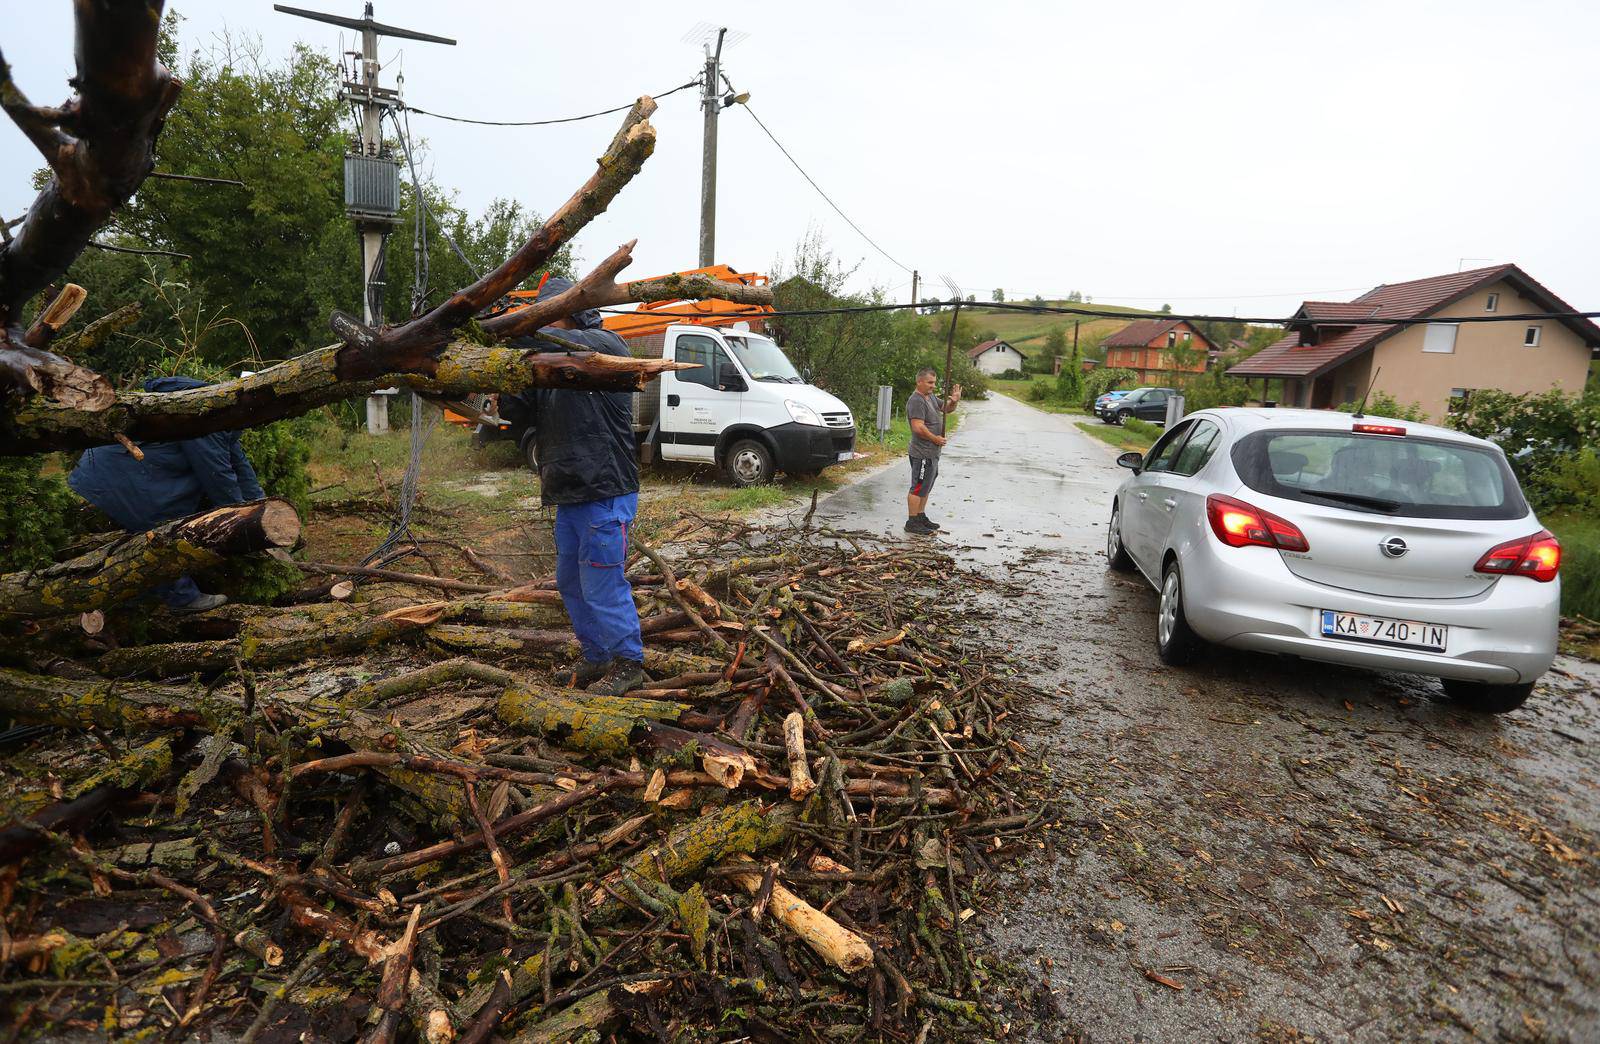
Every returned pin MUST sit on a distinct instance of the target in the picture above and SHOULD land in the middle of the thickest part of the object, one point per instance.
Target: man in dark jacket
(175, 479)
(589, 470)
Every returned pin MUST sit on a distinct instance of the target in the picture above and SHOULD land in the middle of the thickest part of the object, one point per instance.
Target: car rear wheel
(1175, 642)
(748, 463)
(1486, 698)
(1116, 555)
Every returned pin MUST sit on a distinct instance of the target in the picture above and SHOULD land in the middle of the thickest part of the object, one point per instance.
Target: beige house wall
(1487, 355)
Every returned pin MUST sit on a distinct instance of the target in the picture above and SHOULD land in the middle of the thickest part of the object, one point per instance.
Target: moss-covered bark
(131, 566)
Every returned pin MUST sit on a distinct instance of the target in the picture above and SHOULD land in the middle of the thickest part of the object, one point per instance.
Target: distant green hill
(1027, 330)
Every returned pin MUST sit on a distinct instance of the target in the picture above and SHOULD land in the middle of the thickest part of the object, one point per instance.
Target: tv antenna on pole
(371, 176)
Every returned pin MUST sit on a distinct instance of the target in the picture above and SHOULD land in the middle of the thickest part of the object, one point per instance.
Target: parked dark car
(1107, 401)
(1149, 404)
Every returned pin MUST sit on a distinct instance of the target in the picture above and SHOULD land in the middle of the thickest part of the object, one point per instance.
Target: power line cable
(545, 123)
(1098, 313)
(821, 193)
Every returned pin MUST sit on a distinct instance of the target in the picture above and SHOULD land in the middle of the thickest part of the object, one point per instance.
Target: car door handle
(673, 400)
(1169, 503)
(1141, 494)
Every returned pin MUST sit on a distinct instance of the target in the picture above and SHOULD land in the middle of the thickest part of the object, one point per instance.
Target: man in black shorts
(926, 412)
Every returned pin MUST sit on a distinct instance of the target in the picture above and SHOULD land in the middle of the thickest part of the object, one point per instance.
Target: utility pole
(711, 102)
(371, 177)
(914, 288)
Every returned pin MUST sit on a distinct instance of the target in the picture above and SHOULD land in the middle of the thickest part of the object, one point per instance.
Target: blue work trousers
(591, 546)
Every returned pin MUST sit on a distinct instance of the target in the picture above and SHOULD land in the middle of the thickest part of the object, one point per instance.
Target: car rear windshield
(1382, 474)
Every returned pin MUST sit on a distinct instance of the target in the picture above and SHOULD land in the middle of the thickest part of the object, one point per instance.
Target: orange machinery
(644, 321)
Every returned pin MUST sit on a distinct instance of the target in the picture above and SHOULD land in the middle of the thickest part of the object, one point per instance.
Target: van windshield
(763, 359)
(1415, 477)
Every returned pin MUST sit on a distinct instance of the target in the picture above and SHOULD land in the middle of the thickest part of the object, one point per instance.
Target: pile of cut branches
(378, 818)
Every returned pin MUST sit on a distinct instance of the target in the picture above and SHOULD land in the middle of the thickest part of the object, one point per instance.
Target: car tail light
(1538, 556)
(1238, 524)
(1379, 429)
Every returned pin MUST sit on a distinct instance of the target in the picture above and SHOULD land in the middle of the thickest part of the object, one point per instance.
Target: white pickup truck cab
(744, 407)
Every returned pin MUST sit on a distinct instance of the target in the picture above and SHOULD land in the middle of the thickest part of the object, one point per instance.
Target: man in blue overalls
(589, 470)
(174, 480)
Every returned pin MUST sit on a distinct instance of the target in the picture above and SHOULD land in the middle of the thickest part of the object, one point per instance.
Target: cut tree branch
(418, 354)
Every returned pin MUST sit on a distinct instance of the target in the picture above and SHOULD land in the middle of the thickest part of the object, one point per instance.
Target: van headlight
(800, 413)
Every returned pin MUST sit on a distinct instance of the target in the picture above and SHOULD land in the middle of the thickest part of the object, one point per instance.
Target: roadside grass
(1133, 435)
(1580, 563)
(1019, 390)
(485, 497)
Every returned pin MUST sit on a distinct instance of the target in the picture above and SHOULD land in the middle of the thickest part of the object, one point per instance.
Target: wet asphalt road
(1308, 851)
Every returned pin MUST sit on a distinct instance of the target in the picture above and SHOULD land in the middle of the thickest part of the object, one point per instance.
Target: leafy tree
(1103, 379)
(1055, 347)
(1382, 404)
(1166, 309)
(1074, 298)
(1536, 431)
(1069, 382)
(273, 258)
(34, 510)
(998, 296)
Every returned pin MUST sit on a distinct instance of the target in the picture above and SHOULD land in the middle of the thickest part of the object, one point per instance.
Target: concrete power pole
(711, 102)
(914, 289)
(371, 177)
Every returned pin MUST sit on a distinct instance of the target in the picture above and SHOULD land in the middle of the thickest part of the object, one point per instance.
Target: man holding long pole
(925, 412)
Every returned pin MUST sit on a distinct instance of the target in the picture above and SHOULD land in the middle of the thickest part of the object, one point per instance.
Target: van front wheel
(748, 463)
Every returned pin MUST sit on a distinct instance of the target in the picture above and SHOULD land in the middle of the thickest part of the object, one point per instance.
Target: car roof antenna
(1361, 407)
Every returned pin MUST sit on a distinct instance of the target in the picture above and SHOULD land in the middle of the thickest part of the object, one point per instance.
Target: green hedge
(35, 513)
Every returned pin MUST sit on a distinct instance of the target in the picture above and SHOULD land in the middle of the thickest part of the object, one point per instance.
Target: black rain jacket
(584, 439)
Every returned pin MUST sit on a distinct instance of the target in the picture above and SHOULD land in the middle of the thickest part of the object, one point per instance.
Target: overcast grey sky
(1230, 157)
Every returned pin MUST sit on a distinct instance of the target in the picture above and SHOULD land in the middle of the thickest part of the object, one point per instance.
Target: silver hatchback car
(1357, 540)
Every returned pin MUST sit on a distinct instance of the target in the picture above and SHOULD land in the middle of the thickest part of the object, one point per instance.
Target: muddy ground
(1259, 848)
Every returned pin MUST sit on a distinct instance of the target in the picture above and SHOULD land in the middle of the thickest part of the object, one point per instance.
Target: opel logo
(1393, 547)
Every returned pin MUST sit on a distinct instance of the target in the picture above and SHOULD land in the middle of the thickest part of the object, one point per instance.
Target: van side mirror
(730, 379)
(1132, 459)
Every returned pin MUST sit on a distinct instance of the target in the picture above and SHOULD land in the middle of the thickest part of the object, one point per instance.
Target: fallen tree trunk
(124, 93)
(304, 383)
(121, 707)
(140, 561)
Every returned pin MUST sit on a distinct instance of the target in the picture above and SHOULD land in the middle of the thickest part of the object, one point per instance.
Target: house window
(1457, 402)
(1530, 337)
(1186, 337)
(1491, 302)
(1440, 337)
(1172, 338)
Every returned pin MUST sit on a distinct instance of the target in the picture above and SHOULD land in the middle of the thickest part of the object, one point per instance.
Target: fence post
(885, 410)
(1174, 409)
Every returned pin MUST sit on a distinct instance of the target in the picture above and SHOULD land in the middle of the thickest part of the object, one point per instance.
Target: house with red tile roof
(1158, 349)
(995, 357)
(1333, 350)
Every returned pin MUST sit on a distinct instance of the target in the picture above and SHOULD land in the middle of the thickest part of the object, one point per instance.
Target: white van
(744, 408)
